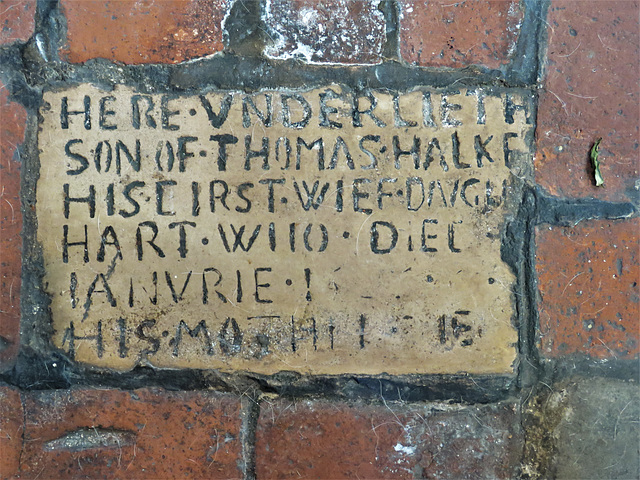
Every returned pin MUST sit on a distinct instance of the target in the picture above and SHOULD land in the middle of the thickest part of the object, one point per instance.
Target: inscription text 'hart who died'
(321, 231)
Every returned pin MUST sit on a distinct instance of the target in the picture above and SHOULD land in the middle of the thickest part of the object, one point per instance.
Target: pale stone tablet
(323, 231)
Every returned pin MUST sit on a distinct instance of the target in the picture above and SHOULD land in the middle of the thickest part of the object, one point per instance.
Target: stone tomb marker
(317, 231)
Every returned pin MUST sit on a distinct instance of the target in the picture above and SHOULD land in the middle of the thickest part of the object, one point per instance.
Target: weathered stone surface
(16, 20)
(588, 281)
(334, 440)
(233, 241)
(584, 428)
(14, 118)
(444, 33)
(590, 91)
(146, 433)
(343, 31)
(135, 32)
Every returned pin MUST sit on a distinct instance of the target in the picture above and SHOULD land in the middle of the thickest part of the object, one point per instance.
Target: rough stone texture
(11, 420)
(590, 91)
(148, 433)
(16, 20)
(588, 282)
(14, 119)
(342, 31)
(143, 31)
(584, 428)
(447, 33)
(333, 440)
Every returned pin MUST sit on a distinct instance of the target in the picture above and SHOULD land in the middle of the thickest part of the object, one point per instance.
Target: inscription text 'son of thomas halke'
(320, 231)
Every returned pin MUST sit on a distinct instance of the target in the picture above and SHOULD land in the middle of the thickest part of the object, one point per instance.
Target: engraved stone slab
(321, 231)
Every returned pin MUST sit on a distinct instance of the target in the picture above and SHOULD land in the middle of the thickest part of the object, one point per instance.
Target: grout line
(569, 212)
(249, 413)
(391, 45)
(24, 428)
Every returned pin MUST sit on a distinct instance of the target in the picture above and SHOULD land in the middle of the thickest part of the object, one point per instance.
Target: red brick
(14, 119)
(148, 433)
(11, 420)
(16, 20)
(588, 280)
(322, 440)
(591, 90)
(143, 31)
(446, 33)
(342, 31)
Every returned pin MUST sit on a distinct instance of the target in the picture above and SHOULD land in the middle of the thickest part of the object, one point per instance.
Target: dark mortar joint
(50, 28)
(556, 370)
(391, 11)
(518, 251)
(466, 389)
(233, 72)
(244, 32)
(570, 212)
(249, 416)
(38, 371)
(253, 74)
(11, 72)
(528, 58)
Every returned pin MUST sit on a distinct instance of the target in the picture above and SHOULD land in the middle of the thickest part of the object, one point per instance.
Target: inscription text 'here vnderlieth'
(321, 231)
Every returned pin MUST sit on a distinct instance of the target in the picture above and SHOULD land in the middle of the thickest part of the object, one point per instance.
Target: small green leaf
(596, 163)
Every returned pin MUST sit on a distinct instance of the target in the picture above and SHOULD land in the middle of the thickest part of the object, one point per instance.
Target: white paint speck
(407, 450)
(308, 16)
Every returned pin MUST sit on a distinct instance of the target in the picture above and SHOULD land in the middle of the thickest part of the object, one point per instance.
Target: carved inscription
(324, 231)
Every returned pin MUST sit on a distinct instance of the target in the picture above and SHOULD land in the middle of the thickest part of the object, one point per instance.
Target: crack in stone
(24, 428)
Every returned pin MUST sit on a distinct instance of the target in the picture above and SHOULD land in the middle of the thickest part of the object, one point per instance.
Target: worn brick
(588, 281)
(590, 90)
(341, 31)
(14, 119)
(583, 428)
(598, 435)
(147, 433)
(444, 33)
(143, 31)
(16, 20)
(333, 440)
(11, 420)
